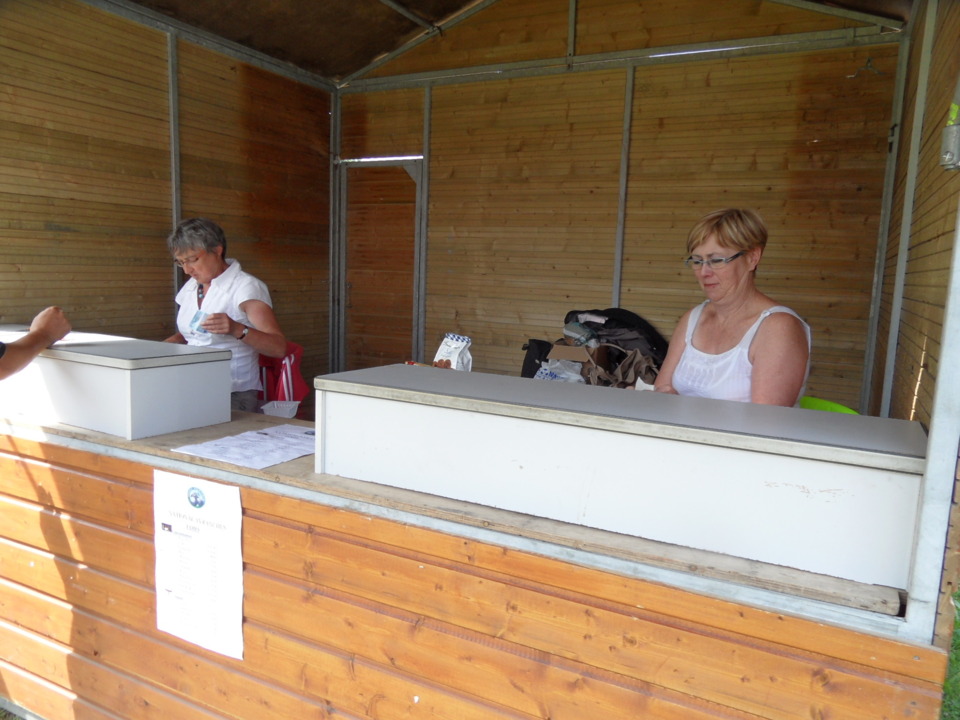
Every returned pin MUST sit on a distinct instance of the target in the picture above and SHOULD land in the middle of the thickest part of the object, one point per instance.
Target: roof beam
(799, 42)
(824, 8)
(408, 14)
(423, 37)
(150, 18)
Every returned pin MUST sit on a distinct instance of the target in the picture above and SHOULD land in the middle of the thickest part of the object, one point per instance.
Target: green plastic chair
(812, 403)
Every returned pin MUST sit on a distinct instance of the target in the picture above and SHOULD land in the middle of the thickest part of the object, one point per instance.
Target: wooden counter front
(780, 485)
(370, 602)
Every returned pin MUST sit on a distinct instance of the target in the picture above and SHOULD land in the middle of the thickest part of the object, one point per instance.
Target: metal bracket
(950, 148)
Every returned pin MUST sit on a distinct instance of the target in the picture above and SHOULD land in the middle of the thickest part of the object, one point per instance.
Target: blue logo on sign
(196, 498)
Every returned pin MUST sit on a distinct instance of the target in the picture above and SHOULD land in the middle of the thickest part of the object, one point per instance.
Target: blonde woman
(738, 344)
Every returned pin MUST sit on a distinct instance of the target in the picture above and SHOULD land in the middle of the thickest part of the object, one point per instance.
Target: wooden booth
(476, 544)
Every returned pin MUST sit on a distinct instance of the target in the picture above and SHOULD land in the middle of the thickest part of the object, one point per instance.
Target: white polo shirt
(232, 287)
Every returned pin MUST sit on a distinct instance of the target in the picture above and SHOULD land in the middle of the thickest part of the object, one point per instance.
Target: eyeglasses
(714, 262)
(189, 260)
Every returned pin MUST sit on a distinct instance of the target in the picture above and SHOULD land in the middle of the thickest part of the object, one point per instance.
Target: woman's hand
(264, 334)
(220, 324)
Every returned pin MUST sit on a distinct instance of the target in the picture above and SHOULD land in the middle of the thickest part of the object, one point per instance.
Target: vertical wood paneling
(351, 615)
(84, 168)
(255, 158)
(791, 136)
(524, 182)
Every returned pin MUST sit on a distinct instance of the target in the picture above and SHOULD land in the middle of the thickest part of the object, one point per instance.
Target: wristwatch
(246, 329)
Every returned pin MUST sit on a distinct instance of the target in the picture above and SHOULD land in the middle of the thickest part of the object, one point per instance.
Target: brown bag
(634, 366)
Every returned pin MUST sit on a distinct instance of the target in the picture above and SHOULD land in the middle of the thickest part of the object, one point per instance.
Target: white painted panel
(838, 519)
(179, 397)
(129, 388)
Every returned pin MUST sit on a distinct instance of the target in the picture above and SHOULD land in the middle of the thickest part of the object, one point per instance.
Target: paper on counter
(258, 449)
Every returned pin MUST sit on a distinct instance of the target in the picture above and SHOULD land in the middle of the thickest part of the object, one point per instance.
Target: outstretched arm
(47, 327)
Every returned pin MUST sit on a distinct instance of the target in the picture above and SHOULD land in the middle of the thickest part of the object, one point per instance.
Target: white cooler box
(121, 386)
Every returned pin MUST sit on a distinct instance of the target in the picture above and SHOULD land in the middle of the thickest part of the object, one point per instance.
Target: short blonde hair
(733, 228)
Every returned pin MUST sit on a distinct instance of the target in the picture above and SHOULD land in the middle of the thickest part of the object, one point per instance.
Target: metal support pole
(173, 93)
(337, 240)
(883, 236)
(910, 188)
(622, 200)
(420, 245)
(943, 446)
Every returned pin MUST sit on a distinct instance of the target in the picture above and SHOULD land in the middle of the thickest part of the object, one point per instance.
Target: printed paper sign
(199, 564)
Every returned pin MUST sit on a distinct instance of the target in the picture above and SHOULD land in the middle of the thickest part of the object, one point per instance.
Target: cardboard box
(579, 353)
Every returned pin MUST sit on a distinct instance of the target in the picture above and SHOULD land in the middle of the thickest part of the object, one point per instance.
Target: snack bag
(454, 352)
(563, 370)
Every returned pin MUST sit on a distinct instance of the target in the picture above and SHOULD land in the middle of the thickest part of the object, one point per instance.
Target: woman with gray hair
(221, 306)
(738, 344)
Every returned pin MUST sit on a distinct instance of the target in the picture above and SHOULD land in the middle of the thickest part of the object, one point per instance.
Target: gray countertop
(837, 437)
(120, 352)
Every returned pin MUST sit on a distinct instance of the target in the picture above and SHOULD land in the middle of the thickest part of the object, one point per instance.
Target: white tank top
(727, 375)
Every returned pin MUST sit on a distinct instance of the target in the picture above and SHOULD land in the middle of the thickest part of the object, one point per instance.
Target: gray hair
(196, 234)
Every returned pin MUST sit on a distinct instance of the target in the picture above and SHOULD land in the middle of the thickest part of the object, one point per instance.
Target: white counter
(121, 386)
(822, 492)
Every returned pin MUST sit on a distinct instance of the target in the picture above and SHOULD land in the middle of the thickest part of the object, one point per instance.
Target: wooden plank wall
(350, 615)
(931, 236)
(382, 124)
(380, 225)
(85, 180)
(84, 168)
(612, 25)
(928, 260)
(523, 209)
(524, 173)
(521, 30)
(381, 228)
(797, 139)
(890, 252)
(506, 31)
(255, 157)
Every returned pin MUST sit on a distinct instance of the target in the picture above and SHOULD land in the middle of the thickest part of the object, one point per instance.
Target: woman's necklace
(200, 294)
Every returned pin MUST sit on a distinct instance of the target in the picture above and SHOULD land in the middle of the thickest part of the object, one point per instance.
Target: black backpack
(536, 355)
(625, 329)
